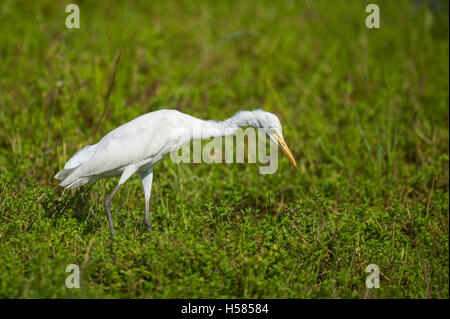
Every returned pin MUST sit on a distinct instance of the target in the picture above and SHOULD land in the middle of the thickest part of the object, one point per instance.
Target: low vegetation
(364, 111)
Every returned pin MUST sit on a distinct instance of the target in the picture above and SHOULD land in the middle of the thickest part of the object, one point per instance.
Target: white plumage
(135, 147)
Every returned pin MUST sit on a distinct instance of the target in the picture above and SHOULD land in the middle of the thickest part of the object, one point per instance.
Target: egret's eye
(272, 131)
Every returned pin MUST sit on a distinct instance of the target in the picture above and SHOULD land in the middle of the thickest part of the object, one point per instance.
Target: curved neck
(211, 128)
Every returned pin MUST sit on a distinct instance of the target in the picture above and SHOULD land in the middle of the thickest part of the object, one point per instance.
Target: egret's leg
(148, 220)
(127, 172)
(147, 179)
(107, 204)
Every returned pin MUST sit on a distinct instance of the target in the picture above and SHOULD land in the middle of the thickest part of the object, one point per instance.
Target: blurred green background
(364, 111)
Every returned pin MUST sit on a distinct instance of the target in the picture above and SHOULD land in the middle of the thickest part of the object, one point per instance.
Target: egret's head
(271, 124)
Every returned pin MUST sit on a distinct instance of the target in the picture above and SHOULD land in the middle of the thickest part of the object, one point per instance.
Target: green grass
(364, 111)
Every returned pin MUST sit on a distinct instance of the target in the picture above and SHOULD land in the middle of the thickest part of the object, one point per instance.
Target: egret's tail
(62, 174)
(68, 184)
(69, 176)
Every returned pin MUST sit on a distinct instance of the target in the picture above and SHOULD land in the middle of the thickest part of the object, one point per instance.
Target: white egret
(138, 145)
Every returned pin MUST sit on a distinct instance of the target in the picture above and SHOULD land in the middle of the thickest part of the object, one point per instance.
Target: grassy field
(364, 111)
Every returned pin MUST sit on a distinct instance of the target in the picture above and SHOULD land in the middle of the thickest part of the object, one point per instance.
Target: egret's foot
(113, 233)
(148, 223)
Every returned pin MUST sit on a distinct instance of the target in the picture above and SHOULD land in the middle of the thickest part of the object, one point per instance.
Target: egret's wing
(80, 157)
(148, 136)
(75, 161)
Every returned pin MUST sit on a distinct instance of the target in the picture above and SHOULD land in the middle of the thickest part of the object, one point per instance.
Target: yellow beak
(282, 144)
